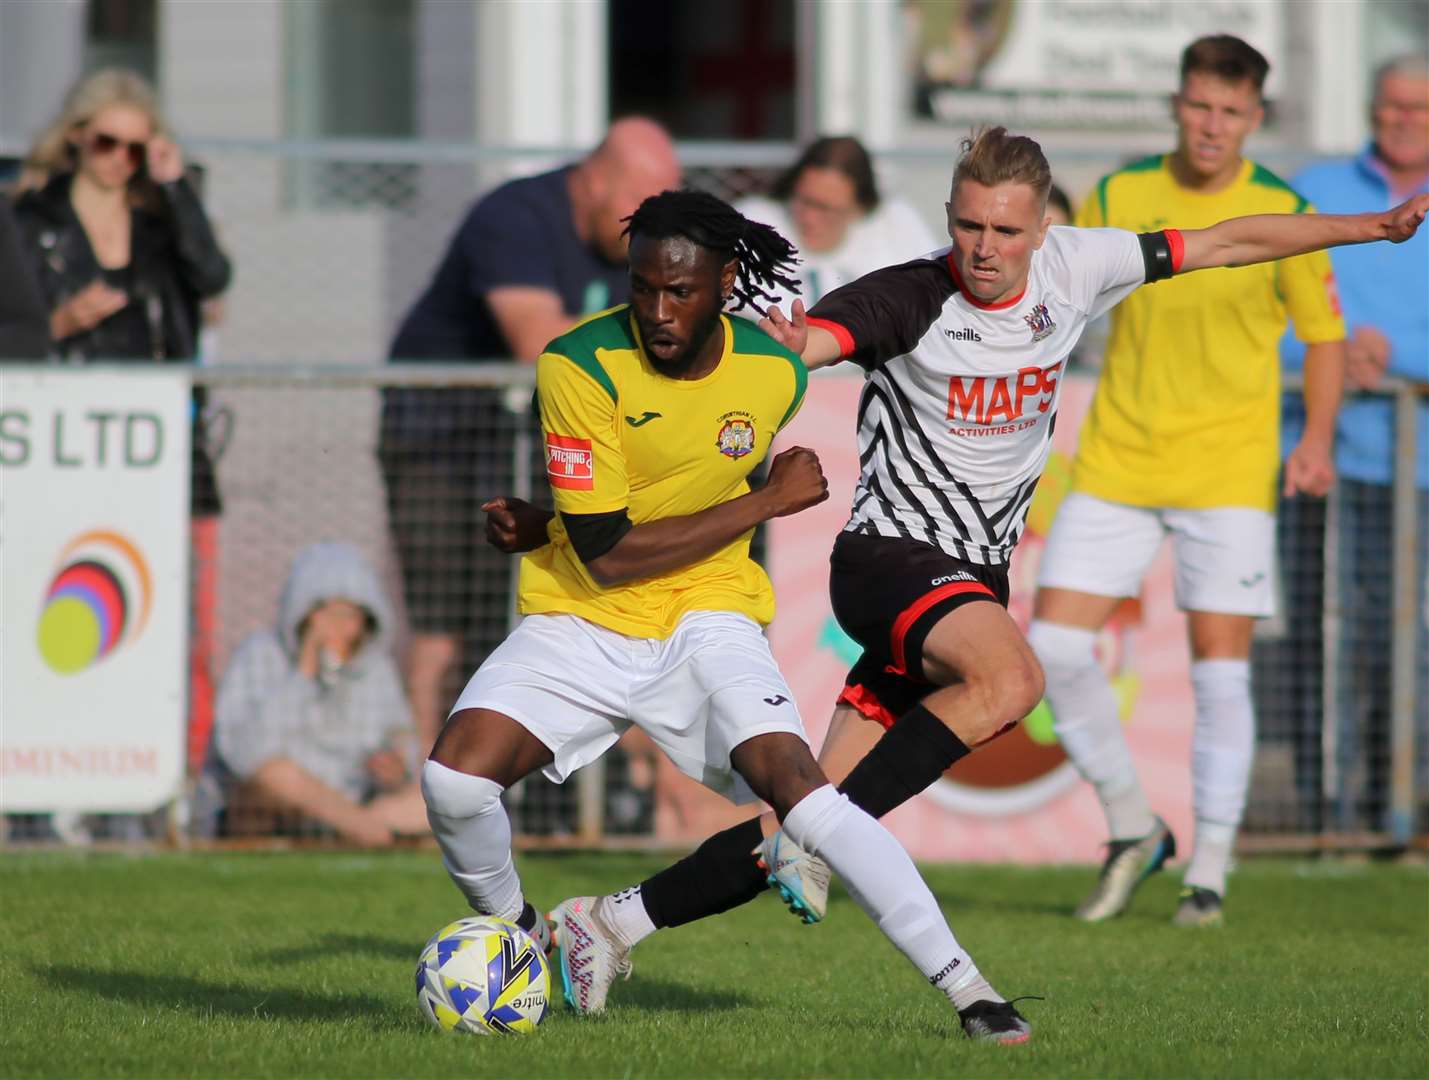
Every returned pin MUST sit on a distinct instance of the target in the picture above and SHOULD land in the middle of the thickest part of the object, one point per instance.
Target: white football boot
(802, 879)
(589, 954)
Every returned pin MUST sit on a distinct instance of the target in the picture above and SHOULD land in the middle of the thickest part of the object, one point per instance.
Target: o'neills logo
(967, 333)
(570, 463)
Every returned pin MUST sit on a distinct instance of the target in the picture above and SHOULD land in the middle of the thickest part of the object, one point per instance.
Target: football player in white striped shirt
(965, 350)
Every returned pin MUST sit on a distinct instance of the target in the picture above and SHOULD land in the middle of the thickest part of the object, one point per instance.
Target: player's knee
(1017, 689)
(450, 793)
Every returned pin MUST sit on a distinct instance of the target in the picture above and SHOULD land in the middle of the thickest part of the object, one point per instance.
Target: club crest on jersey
(736, 435)
(1039, 322)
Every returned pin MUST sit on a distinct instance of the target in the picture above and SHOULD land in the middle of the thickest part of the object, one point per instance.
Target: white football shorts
(1225, 556)
(699, 693)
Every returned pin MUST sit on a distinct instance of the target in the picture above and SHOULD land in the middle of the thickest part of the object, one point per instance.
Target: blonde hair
(991, 157)
(54, 152)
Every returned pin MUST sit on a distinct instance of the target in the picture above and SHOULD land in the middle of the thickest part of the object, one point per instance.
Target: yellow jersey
(620, 435)
(1187, 410)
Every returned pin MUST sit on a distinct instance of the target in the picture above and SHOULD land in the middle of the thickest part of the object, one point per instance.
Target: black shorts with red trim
(887, 594)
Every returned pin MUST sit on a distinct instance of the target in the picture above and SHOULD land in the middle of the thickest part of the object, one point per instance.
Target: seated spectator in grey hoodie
(312, 725)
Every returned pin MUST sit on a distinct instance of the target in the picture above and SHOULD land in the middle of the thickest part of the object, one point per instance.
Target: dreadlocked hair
(763, 257)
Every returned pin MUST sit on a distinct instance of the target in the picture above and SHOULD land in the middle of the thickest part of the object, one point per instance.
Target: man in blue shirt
(1384, 292)
(531, 259)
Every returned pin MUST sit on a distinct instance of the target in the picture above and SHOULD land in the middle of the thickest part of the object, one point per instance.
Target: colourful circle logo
(98, 599)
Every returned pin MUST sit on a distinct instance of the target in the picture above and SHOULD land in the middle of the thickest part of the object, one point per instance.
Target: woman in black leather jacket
(124, 254)
(121, 246)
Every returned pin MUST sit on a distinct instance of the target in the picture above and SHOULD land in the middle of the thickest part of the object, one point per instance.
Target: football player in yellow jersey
(1182, 440)
(644, 608)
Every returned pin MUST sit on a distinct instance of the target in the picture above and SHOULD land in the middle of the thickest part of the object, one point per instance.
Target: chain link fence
(1341, 674)
(396, 462)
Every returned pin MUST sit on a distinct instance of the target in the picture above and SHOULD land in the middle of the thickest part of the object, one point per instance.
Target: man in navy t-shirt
(531, 259)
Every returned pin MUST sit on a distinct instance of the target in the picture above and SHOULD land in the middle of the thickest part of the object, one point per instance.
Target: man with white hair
(1382, 292)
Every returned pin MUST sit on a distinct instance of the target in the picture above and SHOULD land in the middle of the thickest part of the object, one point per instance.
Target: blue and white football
(483, 975)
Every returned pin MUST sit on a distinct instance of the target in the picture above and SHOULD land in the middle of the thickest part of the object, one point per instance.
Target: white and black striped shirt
(956, 418)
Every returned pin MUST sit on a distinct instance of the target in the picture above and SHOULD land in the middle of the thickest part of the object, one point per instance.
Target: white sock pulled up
(1084, 716)
(883, 881)
(1222, 751)
(474, 833)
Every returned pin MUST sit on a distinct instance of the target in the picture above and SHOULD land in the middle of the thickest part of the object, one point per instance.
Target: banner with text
(1105, 65)
(94, 492)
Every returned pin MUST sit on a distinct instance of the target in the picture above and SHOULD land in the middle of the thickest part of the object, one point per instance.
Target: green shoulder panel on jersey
(1147, 164)
(1263, 177)
(749, 339)
(581, 344)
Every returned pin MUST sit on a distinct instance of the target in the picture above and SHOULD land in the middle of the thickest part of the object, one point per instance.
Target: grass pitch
(301, 965)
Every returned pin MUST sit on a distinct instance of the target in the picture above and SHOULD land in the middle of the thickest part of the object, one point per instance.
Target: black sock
(911, 755)
(534, 923)
(718, 875)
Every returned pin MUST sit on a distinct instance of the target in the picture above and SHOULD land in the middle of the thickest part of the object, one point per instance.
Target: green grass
(301, 965)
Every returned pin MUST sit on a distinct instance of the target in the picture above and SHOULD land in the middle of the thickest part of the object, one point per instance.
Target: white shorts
(1225, 557)
(699, 693)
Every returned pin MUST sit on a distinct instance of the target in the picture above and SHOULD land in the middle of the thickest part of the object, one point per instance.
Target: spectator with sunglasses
(121, 245)
(124, 254)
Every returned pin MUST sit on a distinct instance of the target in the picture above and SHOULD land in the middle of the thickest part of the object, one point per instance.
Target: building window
(349, 67)
(706, 71)
(121, 33)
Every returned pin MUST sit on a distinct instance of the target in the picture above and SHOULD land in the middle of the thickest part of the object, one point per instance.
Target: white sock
(883, 881)
(1211, 859)
(624, 912)
(1084, 715)
(1222, 749)
(474, 833)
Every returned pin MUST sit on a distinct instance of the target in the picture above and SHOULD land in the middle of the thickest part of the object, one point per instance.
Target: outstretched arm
(1267, 237)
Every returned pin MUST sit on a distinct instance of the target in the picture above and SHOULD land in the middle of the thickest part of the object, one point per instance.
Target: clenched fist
(796, 481)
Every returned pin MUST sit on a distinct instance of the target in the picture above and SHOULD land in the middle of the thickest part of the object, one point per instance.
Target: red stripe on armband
(1178, 248)
(840, 333)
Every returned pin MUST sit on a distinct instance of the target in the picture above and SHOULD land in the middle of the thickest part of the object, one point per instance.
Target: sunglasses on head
(100, 143)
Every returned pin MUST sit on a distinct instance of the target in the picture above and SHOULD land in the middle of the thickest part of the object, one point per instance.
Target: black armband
(592, 535)
(1161, 255)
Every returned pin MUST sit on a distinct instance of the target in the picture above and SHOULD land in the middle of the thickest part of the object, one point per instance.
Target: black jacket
(24, 322)
(175, 261)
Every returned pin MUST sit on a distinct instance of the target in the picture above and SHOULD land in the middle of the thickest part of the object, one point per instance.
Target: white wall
(41, 52)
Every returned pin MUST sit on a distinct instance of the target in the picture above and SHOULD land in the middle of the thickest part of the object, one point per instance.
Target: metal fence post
(1404, 653)
(1331, 636)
